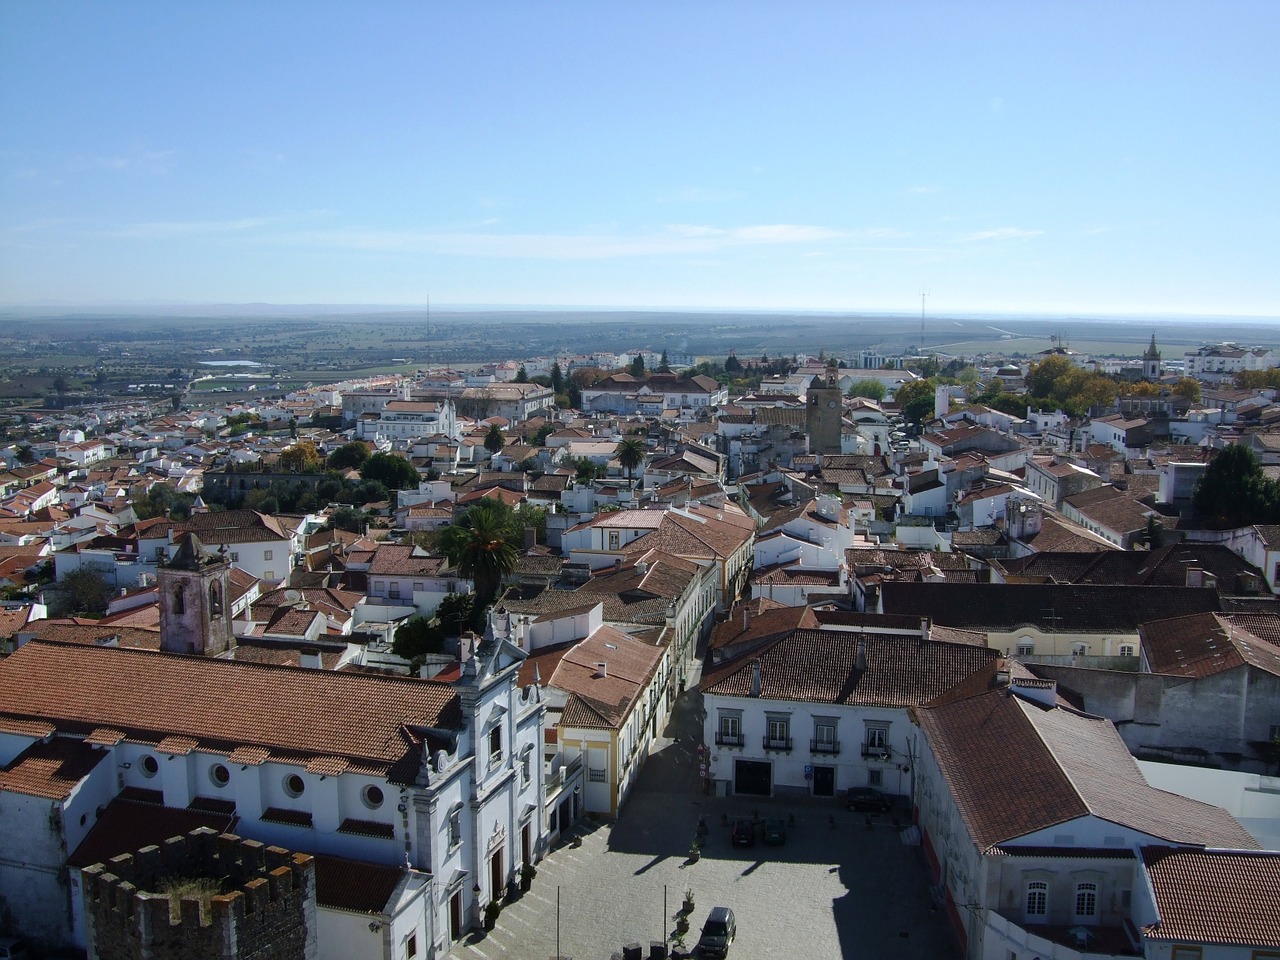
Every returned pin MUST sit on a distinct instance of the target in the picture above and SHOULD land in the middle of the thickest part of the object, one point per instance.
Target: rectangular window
(615, 539)
(411, 946)
(526, 767)
(1086, 901)
(266, 554)
(730, 732)
(1037, 900)
(779, 732)
(495, 745)
(873, 778)
(1186, 953)
(455, 828)
(1126, 650)
(1026, 649)
(235, 557)
(597, 775)
(394, 590)
(1079, 649)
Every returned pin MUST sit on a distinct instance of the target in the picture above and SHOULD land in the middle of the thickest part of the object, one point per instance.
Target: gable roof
(1218, 896)
(1204, 644)
(1015, 768)
(820, 666)
(375, 723)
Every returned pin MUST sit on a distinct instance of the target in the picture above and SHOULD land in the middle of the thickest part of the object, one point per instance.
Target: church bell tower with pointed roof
(195, 601)
(1152, 365)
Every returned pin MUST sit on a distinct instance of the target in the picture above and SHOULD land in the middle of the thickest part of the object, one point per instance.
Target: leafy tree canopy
(1234, 492)
(870, 388)
(348, 455)
(391, 470)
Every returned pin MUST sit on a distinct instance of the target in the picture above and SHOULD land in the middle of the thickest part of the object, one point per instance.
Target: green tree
(636, 369)
(1188, 387)
(494, 441)
(732, 364)
(26, 455)
(85, 590)
(915, 399)
(1234, 492)
(544, 431)
(391, 470)
(1041, 376)
(870, 388)
(664, 366)
(349, 455)
(417, 637)
(522, 375)
(455, 613)
(557, 378)
(630, 453)
(348, 519)
(302, 457)
(481, 544)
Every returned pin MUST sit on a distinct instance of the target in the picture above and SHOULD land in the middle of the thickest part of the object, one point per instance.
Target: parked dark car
(868, 799)
(718, 932)
(744, 833)
(775, 831)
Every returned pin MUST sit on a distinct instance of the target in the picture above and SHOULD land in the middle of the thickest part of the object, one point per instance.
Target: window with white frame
(1079, 649)
(495, 744)
(455, 825)
(876, 739)
(526, 765)
(779, 730)
(1086, 900)
(874, 778)
(1026, 648)
(393, 590)
(266, 555)
(824, 733)
(235, 556)
(1126, 650)
(729, 729)
(1037, 901)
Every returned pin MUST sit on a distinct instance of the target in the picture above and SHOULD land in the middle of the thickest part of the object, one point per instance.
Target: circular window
(220, 775)
(150, 766)
(372, 796)
(294, 785)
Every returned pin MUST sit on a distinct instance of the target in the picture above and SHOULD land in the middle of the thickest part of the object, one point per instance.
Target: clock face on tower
(831, 404)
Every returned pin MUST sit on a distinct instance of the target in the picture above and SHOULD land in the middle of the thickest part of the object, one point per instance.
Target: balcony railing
(824, 746)
(777, 743)
(875, 751)
(728, 739)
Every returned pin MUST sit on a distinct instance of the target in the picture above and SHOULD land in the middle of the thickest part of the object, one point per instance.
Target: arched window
(1037, 901)
(215, 601)
(1086, 901)
(179, 602)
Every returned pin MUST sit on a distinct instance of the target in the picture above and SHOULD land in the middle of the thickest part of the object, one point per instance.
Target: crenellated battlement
(264, 905)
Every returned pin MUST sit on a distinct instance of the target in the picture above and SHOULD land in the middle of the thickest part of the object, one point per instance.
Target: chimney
(602, 669)
(755, 678)
(309, 659)
(925, 628)
(617, 563)
(861, 657)
(530, 537)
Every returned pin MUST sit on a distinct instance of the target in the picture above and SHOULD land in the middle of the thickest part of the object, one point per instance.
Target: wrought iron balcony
(728, 739)
(875, 751)
(777, 743)
(824, 746)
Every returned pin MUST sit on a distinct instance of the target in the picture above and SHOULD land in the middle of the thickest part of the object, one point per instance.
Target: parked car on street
(718, 933)
(775, 831)
(744, 833)
(868, 799)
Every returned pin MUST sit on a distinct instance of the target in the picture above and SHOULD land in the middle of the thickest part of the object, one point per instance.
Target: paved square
(836, 888)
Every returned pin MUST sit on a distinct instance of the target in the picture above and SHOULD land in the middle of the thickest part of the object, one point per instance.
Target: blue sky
(1038, 156)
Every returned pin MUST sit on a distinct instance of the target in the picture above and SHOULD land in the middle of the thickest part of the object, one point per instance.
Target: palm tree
(630, 453)
(494, 441)
(482, 545)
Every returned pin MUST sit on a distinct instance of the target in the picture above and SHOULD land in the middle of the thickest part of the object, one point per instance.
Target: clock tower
(824, 412)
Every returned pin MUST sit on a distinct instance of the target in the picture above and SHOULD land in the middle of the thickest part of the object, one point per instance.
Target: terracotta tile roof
(126, 825)
(1054, 607)
(50, 769)
(93, 634)
(630, 665)
(291, 714)
(236, 526)
(1015, 768)
(1204, 644)
(406, 560)
(1059, 533)
(1219, 896)
(820, 666)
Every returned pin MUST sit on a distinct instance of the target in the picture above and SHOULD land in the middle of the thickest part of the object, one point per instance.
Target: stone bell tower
(1152, 365)
(195, 601)
(824, 412)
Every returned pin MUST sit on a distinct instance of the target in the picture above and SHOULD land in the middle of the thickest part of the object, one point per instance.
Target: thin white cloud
(1003, 233)
(675, 239)
(189, 228)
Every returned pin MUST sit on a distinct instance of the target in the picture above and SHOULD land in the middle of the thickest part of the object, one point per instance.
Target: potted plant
(527, 873)
(682, 923)
(491, 912)
(677, 943)
(695, 851)
(688, 900)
